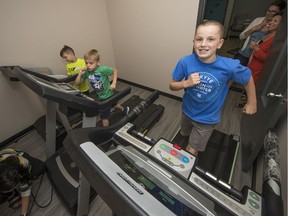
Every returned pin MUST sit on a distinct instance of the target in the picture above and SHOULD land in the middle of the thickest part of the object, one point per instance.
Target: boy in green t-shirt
(98, 77)
(73, 66)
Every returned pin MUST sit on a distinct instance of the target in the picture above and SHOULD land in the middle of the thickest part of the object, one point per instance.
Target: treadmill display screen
(167, 198)
(64, 87)
(67, 87)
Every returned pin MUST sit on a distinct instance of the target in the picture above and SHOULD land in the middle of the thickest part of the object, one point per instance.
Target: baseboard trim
(150, 89)
(16, 137)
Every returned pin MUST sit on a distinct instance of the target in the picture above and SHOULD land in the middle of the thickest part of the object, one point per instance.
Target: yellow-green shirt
(74, 68)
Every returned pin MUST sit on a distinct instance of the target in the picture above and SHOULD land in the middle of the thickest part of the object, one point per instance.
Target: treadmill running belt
(116, 115)
(219, 155)
(144, 121)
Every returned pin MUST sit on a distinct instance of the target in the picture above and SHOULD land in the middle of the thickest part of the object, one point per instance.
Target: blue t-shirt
(203, 102)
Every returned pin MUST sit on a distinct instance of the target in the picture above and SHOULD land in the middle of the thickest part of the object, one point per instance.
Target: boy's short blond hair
(213, 22)
(92, 55)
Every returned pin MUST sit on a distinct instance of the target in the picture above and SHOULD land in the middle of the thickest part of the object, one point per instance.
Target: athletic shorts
(199, 132)
(105, 113)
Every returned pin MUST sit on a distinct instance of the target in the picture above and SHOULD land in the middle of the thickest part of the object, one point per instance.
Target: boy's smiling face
(206, 42)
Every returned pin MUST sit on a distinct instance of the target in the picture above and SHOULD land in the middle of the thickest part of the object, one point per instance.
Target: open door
(271, 99)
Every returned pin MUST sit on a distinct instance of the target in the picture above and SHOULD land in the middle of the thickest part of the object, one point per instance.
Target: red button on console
(177, 146)
(173, 152)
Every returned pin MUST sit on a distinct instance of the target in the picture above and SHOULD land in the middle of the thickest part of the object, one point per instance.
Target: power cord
(34, 197)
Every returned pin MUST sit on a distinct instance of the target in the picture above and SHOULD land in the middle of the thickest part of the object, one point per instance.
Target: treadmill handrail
(49, 77)
(10, 71)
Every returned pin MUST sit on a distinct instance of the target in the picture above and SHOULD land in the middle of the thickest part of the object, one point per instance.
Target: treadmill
(62, 172)
(66, 119)
(140, 176)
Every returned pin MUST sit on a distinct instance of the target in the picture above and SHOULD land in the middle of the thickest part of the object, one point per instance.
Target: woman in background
(257, 29)
(261, 48)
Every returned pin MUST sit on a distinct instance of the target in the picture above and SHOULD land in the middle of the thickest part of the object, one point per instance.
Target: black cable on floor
(34, 197)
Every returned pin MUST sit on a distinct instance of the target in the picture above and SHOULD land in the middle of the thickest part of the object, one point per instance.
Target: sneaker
(240, 105)
(126, 110)
(244, 97)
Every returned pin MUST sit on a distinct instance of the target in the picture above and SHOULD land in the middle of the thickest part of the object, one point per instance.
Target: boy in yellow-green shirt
(73, 66)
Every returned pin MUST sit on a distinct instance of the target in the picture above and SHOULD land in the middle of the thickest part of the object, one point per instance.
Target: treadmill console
(124, 135)
(251, 206)
(152, 188)
(173, 156)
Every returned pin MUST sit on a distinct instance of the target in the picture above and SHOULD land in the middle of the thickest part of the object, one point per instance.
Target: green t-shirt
(99, 80)
(74, 68)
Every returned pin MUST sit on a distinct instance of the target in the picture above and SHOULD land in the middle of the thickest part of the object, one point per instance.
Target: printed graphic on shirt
(207, 88)
(74, 69)
(96, 82)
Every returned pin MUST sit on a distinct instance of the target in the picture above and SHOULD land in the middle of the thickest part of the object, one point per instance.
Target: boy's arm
(79, 79)
(24, 205)
(193, 80)
(114, 82)
(251, 104)
(252, 27)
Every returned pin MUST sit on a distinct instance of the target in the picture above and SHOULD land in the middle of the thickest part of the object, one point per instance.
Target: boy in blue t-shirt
(205, 77)
(98, 77)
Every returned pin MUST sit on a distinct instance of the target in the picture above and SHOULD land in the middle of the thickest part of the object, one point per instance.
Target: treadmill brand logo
(130, 183)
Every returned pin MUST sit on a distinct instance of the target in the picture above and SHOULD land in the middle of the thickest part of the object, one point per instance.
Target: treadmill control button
(173, 152)
(253, 204)
(185, 159)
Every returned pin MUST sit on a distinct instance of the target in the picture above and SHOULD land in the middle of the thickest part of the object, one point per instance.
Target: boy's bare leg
(119, 107)
(191, 150)
(105, 122)
(183, 134)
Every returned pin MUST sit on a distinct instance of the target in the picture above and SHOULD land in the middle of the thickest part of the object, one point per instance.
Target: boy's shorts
(105, 113)
(199, 132)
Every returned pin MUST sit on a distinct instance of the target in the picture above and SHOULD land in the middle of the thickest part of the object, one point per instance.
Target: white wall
(19, 107)
(32, 34)
(33, 31)
(149, 37)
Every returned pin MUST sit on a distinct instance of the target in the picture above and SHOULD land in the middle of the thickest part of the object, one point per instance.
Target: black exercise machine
(62, 172)
(140, 176)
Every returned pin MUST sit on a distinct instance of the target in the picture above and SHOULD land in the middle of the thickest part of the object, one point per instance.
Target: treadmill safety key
(177, 146)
